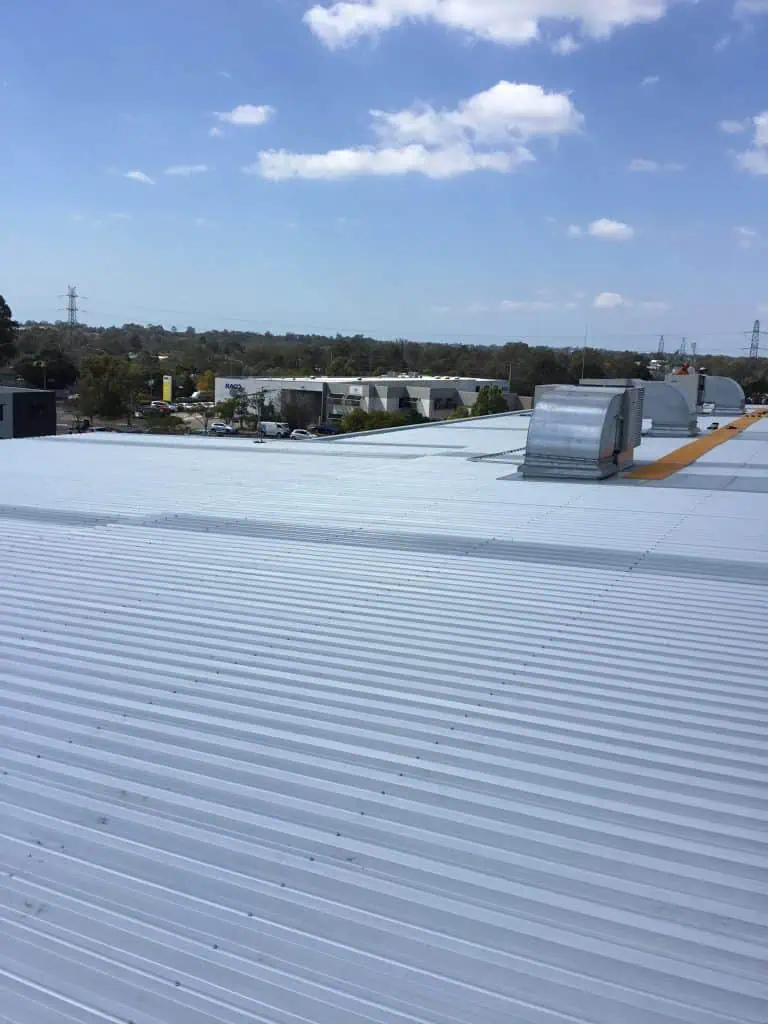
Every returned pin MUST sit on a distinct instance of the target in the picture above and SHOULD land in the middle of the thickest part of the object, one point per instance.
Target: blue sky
(477, 169)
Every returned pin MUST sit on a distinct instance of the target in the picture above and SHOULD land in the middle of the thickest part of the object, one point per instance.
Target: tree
(206, 381)
(228, 409)
(356, 420)
(48, 368)
(108, 386)
(204, 413)
(8, 333)
(460, 413)
(490, 400)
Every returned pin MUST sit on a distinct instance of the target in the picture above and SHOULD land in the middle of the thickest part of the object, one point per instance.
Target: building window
(1, 413)
(408, 403)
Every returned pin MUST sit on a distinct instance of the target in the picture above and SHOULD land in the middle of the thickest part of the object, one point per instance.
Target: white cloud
(527, 306)
(507, 110)
(139, 176)
(565, 46)
(484, 132)
(215, 132)
(342, 22)
(751, 6)
(246, 114)
(723, 43)
(611, 230)
(746, 237)
(733, 127)
(574, 231)
(642, 166)
(761, 129)
(609, 300)
(185, 170)
(279, 165)
(755, 159)
(224, 74)
(650, 80)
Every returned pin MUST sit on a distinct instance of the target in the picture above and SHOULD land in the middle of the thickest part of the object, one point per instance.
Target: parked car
(326, 430)
(302, 435)
(222, 428)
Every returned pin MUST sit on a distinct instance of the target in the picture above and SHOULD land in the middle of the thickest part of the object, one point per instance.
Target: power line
(632, 339)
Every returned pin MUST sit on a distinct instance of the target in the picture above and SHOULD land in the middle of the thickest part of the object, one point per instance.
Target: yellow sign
(167, 389)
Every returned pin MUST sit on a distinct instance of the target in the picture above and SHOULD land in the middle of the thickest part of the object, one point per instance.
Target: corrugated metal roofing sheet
(309, 739)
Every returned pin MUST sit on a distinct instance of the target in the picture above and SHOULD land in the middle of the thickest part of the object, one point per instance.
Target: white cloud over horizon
(611, 230)
(755, 159)
(642, 166)
(280, 165)
(565, 46)
(339, 23)
(746, 237)
(732, 127)
(246, 114)
(650, 80)
(487, 131)
(609, 300)
(185, 170)
(139, 176)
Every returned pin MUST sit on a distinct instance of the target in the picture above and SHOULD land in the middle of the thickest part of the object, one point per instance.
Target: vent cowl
(583, 433)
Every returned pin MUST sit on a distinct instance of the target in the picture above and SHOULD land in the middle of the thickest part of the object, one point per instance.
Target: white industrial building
(374, 730)
(432, 397)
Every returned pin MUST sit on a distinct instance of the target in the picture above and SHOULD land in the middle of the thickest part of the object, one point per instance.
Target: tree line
(115, 368)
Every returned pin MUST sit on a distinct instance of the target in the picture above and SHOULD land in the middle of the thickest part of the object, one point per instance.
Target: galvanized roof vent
(667, 407)
(725, 394)
(583, 433)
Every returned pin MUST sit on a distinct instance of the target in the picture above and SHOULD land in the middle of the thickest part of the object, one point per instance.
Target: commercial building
(373, 730)
(329, 398)
(26, 412)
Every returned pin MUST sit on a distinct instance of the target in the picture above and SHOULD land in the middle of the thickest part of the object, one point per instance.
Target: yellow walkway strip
(677, 460)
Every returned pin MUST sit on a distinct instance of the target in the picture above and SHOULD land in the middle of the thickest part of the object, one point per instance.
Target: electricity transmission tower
(754, 348)
(72, 309)
(660, 349)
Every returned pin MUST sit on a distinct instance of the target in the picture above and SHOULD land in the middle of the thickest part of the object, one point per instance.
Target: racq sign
(234, 387)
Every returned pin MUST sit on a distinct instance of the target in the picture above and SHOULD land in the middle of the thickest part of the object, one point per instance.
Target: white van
(270, 429)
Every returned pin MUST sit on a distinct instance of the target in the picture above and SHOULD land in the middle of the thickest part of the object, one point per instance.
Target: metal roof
(371, 730)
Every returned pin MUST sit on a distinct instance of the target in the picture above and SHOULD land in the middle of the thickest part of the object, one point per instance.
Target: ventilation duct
(725, 394)
(691, 385)
(664, 405)
(583, 433)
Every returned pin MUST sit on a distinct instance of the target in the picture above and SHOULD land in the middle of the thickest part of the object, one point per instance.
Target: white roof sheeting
(361, 732)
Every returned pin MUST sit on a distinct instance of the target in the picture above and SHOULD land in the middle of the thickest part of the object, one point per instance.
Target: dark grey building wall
(27, 413)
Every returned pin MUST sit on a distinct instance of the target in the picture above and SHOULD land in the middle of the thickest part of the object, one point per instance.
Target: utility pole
(693, 351)
(584, 350)
(683, 351)
(754, 348)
